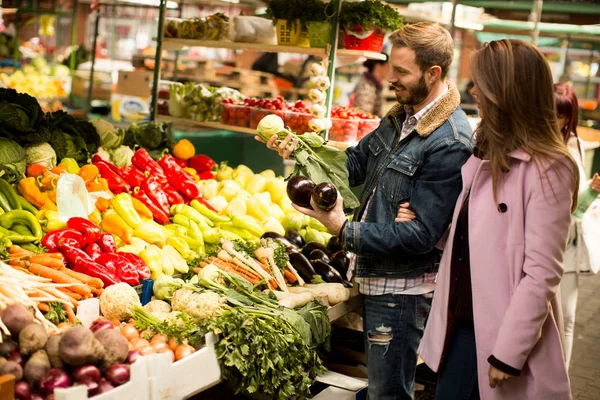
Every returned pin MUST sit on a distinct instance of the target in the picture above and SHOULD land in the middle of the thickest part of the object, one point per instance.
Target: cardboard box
(131, 101)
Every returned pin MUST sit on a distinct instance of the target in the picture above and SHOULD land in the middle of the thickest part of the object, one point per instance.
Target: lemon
(184, 149)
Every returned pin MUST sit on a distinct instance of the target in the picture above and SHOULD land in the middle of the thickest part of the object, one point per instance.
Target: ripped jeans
(393, 327)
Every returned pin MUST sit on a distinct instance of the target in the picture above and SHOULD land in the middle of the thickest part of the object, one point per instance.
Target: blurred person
(367, 94)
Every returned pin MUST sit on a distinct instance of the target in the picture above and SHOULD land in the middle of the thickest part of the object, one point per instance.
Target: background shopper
(367, 94)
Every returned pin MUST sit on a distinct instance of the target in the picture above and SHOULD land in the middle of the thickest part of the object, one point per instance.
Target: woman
(494, 331)
(576, 260)
(367, 95)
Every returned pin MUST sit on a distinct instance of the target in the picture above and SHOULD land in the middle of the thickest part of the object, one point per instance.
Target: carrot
(97, 291)
(287, 274)
(230, 267)
(71, 294)
(19, 263)
(43, 307)
(196, 270)
(58, 277)
(217, 261)
(58, 256)
(51, 262)
(17, 249)
(83, 278)
(70, 314)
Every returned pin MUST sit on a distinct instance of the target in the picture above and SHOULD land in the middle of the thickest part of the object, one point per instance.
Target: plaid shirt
(409, 286)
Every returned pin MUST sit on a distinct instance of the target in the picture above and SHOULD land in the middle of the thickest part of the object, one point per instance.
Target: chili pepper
(141, 208)
(35, 170)
(122, 268)
(177, 259)
(207, 212)
(151, 232)
(239, 232)
(177, 177)
(182, 247)
(182, 220)
(201, 163)
(173, 197)
(71, 164)
(116, 184)
(132, 175)
(48, 203)
(113, 223)
(91, 233)
(49, 220)
(21, 229)
(140, 266)
(11, 195)
(59, 169)
(141, 159)
(16, 237)
(210, 235)
(157, 213)
(47, 180)
(123, 205)
(152, 257)
(176, 229)
(247, 223)
(93, 250)
(88, 172)
(26, 218)
(107, 243)
(4, 204)
(95, 217)
(52, 195)
(153, 188)
(206, 175)
(194, 231)
(95, 270)
(51, 240)
(103, 204)
(25, 205)
(29, 190)
(191, 213)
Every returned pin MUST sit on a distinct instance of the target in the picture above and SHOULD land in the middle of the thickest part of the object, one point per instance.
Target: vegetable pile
(214, 27)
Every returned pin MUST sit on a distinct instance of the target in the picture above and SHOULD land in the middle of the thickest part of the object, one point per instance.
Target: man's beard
(413, 95)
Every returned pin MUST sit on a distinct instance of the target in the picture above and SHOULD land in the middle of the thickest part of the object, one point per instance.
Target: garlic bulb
(320, 82)
(316, 96)
(318, 110)
(317, 69)
(319, 124)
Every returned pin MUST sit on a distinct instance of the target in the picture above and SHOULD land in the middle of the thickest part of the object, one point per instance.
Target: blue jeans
(458, 375)
(393, 327)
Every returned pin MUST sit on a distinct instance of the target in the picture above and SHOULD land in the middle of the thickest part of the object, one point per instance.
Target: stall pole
(332, 51)
(95, 43)
(536, 17)
(158, 59)
(453, 18)
(176, 61)
(73, 60)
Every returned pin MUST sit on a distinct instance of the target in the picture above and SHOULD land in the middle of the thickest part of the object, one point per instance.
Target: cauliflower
(116, 301)
(158, 306)
(197, 305)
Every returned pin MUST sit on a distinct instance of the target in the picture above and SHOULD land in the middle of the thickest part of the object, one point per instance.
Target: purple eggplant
(325, 195)
(299, 190)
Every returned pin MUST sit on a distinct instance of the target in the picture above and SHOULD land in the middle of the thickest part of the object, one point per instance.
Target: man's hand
(497, 377)
(333, 220)
(285, 148)
(405, 214)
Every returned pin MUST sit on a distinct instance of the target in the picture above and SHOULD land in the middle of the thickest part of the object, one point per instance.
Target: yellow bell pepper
(151, 232)
(255, 210)
(236, 206)
(71, 165)
(123, 205)
(256, 184)
(153, 259)
(49, 220)
(114, 224)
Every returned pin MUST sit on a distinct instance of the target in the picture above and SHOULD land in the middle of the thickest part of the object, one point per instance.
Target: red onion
(87, 373)
(92, 388)
(16, 357)
(36, 396)
(55, 378)
(118, 374)
(104, 386)
(22, 391)
(133, 356)
(101, 324)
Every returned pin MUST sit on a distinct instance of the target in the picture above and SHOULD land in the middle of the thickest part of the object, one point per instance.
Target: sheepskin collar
(434, 117)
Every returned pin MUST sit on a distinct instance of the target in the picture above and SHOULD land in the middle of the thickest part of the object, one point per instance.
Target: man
(415, 155)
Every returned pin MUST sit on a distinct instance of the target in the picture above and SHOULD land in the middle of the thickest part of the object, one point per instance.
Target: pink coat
(516, 267)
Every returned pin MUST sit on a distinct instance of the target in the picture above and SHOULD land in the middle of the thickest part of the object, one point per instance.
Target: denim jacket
(423, 169)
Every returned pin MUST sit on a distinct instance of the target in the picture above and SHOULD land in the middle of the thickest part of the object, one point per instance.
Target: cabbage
(42, 154)
(12, 160)
(110, 137)
(121, 156)
(103, 154)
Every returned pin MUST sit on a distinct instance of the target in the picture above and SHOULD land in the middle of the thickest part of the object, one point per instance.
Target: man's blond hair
(431, 43)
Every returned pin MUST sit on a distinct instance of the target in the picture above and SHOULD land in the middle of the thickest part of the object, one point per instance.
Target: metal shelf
(213, 125)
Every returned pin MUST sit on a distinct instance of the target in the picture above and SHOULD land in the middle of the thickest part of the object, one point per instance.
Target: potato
(32, 338)
(115, 346)
(7, 347)
(16, 317)
(52, 351)
(78, 346)
(36, 367)
(12, 368)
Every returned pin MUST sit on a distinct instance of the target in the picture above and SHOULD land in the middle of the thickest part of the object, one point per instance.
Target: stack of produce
(214, 27)
(39, 79)
(199, 102)
(351, 124)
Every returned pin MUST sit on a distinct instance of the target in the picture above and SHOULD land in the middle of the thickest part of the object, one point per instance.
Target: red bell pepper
(206, 175)
(132, 175)
(96, 158)
(173, 195)
(116, 184)
(201, 163)
(181, 163)
(91, 233)
(140, 266)
(50, 241)
(152, 185)
(157, 213)
(141, 159)
(107, 243)
(93, 250)
(122, 268)
(93, 269)
(178, 178)
(72, 254)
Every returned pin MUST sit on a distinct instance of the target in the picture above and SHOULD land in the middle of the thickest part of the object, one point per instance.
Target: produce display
(38, 79)
(351, 124)
(214, 27)
(199, 102)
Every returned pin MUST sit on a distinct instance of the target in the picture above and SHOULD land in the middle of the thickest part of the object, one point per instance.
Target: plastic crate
(343, 130)
(297, 122)
(186, 377)
(319, 34)
(236, 114)
(287, 35)
(372, 42)
(257, 114)
(366, 126)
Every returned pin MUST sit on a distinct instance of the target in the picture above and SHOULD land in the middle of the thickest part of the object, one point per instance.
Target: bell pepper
(7, 220)
(152, 186)
(123, 205)
(48, 203)
(173, 196)
(192, 173)
(177, 260)
(206, 175)
(210, 188)
(153, 259)
(182, 163)
(51, 240)
(178, 178)
(95, 270)
(182, 247)
(122, 268)
(31, 192)
(159, 216)
(140, 266)
(51, 195)
(88, 172)
(237, 206)
(93, 250)
(49, 220)
(95, 216)
(143, 211)
(103, 204)
(25, 205)
(71, 164)
(10, 194)
(191, 213)
(168, 267)
(47, 180)
(107, 243)
(142, 160)
(255, 210)
(113, 223)
(247, 223)
(132, 175)
(207, 212)
(116, 184)
(35, 170)
(91, 233)
(16, 237)
(201, 163)
(59, 169)
(151, 232)
(98, 185)
(71, 252)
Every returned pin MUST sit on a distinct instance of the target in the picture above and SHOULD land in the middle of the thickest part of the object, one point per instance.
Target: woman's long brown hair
(514, 88)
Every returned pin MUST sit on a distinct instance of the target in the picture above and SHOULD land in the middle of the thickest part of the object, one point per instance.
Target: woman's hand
(405, 214)
(595, 184)
(285, 148)
(497, 377)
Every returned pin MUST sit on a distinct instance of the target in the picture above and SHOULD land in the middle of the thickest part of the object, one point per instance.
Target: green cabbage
(42, 154)
(12, 160)
(121, 156)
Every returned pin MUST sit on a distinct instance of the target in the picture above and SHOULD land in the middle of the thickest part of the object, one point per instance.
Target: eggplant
(334, 245)
(317, 254)
(302, 265)
(327, 272)
(325, 195)
(306, 250)
(299, 190)
(271, 235)
(340, 260)
(294, 238)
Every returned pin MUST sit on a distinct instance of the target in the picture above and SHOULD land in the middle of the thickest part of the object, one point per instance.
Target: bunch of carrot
(245, 273)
